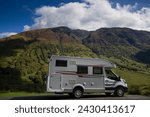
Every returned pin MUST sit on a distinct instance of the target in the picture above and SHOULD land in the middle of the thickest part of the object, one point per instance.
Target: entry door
(55, 82)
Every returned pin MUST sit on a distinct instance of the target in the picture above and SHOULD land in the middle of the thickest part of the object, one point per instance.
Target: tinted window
(97, 70)
(61, 63)
(111, 75)
(82, 69)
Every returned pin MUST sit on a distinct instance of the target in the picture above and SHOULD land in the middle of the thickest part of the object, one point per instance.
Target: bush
(134, 89)
(139, 89)
(145, 90)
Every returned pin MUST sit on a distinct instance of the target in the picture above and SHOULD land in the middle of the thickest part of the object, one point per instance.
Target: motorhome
(76, 76)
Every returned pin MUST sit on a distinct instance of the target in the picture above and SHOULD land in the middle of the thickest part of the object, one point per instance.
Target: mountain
(120, 42)
(24, 57)
(77, 33)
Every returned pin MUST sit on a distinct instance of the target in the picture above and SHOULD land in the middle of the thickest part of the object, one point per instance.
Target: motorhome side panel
(89, 84)
(64, 77)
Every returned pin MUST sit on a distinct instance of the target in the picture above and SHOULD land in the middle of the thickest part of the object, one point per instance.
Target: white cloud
(7, 34)
(91, 15)
(26, 28)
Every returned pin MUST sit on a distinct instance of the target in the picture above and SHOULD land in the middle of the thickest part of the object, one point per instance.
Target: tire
(119, 92)
(77, 92)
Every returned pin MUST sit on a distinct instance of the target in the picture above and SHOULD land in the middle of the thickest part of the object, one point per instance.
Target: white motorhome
(75, 76)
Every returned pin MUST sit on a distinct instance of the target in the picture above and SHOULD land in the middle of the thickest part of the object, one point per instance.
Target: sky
(23, 15)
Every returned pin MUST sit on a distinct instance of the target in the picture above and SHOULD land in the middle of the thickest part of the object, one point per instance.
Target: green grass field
(14, 94)
(138, 83)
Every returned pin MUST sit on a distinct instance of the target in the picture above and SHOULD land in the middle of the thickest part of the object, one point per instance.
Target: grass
(134, 78)
(138, 83)
(14, 94)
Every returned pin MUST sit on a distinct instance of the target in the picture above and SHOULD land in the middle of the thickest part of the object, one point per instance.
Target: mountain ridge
(106, 41)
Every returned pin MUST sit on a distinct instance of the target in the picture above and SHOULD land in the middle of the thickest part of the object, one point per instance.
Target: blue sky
(15, 14)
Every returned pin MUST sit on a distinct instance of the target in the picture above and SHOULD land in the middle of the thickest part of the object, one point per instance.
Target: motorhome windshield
(111, 75)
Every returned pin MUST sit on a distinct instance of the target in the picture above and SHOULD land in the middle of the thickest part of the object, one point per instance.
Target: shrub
(134, 89)
(145, 90)
(139, 89)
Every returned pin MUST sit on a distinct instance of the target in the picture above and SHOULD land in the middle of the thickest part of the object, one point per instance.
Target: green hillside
(24, 57)
(24, 61)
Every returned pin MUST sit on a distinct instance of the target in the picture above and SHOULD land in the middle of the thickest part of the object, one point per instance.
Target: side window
(61, 63)
(97, 70)
(82, 69)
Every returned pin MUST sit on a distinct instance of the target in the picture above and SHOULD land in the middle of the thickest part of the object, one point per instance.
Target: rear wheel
(119, 92)
(78, 92)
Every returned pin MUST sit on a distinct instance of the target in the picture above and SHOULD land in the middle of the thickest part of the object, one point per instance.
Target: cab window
(111, 75)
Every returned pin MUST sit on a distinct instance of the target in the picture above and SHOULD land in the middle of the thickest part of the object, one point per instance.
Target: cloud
(7, 34)
(26, 28)
(91, 15)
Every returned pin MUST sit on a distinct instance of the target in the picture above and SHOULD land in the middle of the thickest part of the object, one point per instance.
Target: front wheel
(119, 92)
(77, 92)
